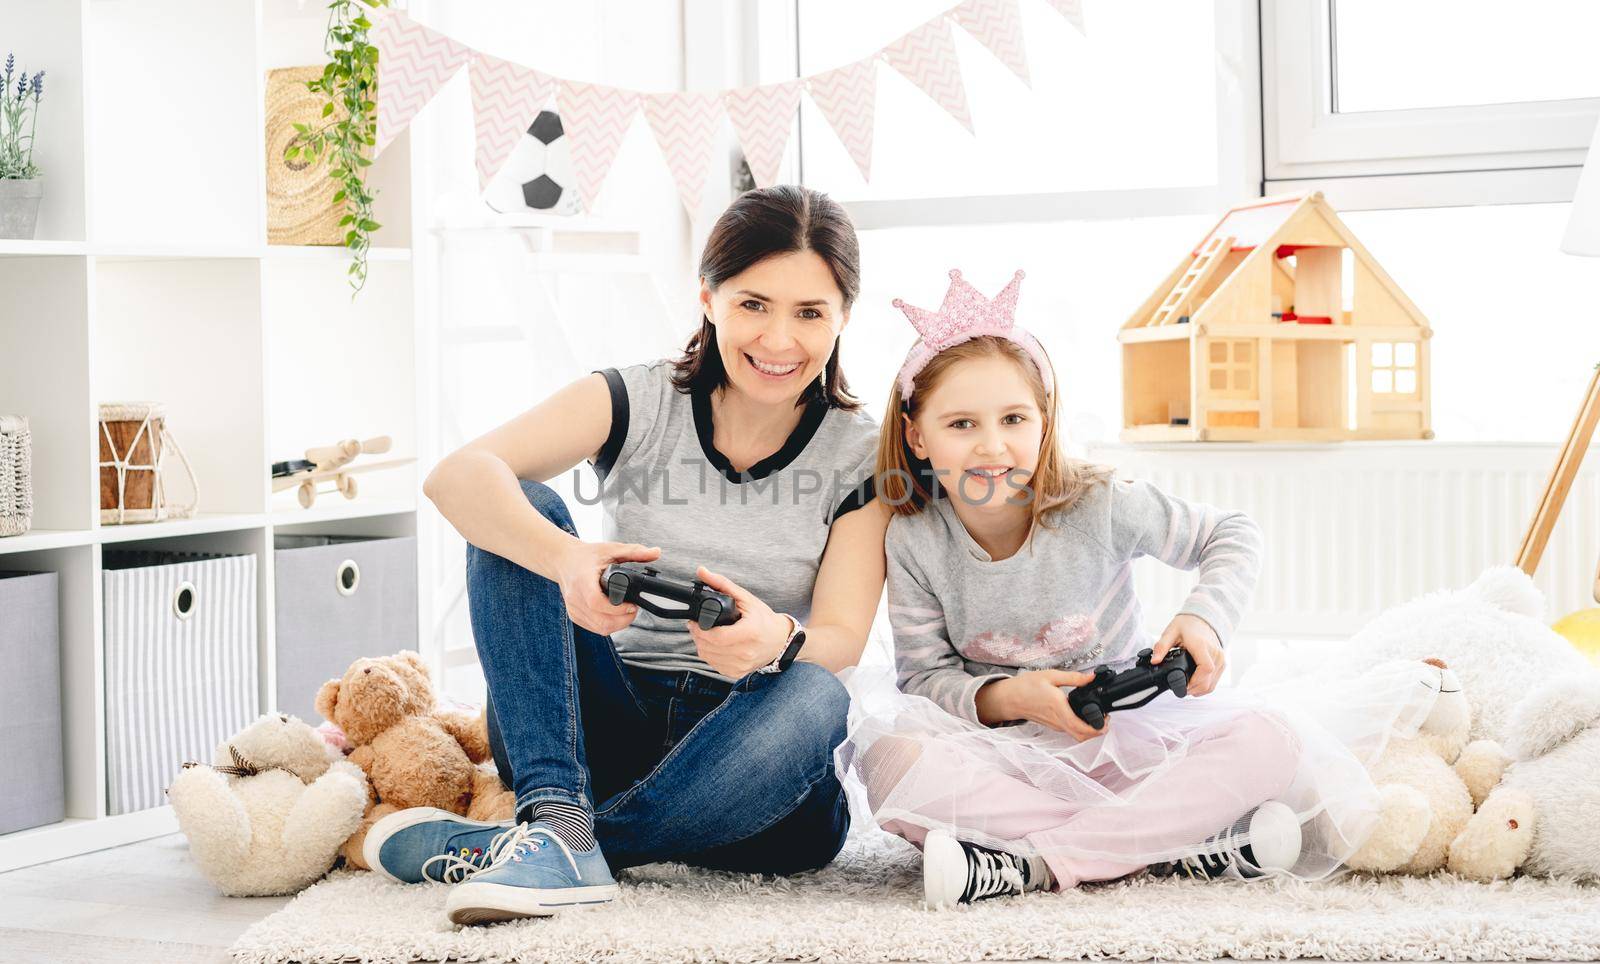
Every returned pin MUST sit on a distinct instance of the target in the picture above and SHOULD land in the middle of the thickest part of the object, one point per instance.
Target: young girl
(1009, 579)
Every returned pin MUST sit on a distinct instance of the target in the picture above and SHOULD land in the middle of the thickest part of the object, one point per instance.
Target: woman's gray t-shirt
(663, 483)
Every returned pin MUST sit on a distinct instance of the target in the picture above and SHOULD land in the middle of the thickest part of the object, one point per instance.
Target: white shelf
(327, 509)
(151, 279)
(11, 247)
(202, 522)
(162, 252)
(37, 539)
(333, 508)
(75, 836)
(113, 252)
(332, 252)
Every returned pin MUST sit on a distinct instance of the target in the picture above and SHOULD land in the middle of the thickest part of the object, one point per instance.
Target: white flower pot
(19, 206)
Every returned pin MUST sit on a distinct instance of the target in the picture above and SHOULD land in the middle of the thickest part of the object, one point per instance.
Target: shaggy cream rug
(866, 907)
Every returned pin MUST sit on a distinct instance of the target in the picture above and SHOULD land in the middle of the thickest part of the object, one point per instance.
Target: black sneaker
(957, 872)
(1274, 834)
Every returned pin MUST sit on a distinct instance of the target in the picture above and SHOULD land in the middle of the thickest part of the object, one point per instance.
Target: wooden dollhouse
(1279, 325)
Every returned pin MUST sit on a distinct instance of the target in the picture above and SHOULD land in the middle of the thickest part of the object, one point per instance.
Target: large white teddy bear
(1429, 782)
(1530, 691)
(269, 816)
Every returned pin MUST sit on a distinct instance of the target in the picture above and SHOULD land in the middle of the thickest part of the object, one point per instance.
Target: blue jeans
(672, 765)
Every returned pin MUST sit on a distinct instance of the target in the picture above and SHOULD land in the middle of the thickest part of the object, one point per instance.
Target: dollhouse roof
(1270, 229)
(1250, 225)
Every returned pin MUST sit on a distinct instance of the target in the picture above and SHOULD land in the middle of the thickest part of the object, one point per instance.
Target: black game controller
(631, 582)
(1133, 687)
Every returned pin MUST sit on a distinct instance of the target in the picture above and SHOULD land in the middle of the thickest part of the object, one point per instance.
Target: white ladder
(1201, 269)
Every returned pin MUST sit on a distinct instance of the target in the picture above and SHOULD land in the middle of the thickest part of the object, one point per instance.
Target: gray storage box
(30, 702)
(181, 656)
(339, 598)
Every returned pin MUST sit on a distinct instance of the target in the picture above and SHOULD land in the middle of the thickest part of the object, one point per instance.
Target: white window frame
(771, 42)
(1479, 154)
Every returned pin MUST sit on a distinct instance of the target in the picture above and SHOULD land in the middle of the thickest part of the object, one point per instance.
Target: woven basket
(16, 476)
(133, 451)
(300, 204)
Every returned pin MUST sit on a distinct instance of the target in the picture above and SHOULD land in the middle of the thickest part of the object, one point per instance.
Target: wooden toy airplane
(334, 462)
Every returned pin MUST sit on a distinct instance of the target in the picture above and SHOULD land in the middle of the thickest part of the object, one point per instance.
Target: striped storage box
(180, 665)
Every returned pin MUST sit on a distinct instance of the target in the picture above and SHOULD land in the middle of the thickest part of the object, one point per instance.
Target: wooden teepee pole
(1555, 490)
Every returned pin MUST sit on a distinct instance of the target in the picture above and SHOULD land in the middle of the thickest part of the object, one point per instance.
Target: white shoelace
(517, 840)
(458, 868)
(1217, 852)
(989, 874)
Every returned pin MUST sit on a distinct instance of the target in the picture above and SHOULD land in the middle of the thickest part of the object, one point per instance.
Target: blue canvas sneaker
(426, 843)
(533, 874)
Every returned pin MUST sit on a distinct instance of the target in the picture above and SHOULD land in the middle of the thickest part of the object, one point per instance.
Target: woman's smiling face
(776, 324)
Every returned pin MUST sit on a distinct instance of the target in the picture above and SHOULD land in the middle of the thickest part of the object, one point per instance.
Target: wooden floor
(142, 902)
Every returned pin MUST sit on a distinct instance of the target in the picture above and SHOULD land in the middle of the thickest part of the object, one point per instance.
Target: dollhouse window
(1394, 368)
(1232, 366)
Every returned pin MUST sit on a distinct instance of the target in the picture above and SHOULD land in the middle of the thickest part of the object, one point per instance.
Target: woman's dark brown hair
(759, 224)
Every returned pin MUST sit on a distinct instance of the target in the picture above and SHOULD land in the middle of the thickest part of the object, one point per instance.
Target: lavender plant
(17, 114)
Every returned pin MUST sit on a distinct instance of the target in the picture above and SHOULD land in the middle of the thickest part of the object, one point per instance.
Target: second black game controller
(640, 584)
(1133, 687)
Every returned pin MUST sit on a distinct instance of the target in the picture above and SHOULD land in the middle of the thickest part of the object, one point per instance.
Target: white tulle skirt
(1152, 789)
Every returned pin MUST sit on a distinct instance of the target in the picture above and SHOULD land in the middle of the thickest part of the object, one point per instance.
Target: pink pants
(1231, 765)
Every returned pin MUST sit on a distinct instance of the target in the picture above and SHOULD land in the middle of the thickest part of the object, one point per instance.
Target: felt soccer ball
(538, 176)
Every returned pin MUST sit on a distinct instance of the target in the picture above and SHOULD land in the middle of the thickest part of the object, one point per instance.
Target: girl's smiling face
(980, 428)
(777, 322)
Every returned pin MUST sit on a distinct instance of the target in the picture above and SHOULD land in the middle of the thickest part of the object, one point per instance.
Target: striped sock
(571, 823)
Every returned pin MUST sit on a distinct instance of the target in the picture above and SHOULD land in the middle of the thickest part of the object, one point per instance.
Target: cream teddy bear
(1541, 818)
(268, 817)
(1429, 782)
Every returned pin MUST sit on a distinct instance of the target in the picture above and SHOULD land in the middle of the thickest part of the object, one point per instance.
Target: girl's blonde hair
(905, 482)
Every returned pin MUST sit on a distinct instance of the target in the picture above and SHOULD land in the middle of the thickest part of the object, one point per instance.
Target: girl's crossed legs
(1231, 765)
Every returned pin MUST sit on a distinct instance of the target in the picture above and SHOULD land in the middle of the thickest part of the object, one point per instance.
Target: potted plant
(350, 83)
(21, 185)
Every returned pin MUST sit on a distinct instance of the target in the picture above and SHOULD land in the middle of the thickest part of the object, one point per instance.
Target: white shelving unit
(150, 279)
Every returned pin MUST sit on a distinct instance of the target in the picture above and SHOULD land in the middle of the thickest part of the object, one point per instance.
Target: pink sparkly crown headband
(964, 315)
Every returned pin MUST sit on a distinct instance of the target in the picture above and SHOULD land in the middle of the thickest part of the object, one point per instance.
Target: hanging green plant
(350, 82)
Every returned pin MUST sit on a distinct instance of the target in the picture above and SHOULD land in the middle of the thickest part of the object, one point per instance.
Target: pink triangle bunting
(846, 97)
(506, 97)
(685, 125)
(413, 63)
(596, 117)
(927, 56)
(1071, 9)
(997, 24)
(762, 118)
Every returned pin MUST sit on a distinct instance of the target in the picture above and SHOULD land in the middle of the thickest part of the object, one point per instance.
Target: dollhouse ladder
(1200, 271)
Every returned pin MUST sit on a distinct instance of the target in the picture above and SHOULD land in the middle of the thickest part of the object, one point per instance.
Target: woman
(630, 738)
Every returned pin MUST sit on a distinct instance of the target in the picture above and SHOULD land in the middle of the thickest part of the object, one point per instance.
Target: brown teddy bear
(413, 753)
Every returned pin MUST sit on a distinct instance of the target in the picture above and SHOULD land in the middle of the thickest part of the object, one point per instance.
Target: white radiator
(1355, 527)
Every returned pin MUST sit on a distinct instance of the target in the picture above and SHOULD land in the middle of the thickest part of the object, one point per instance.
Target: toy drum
(133, 448)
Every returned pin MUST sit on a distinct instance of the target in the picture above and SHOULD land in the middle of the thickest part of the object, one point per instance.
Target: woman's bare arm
(477, 487)
(849, 585)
